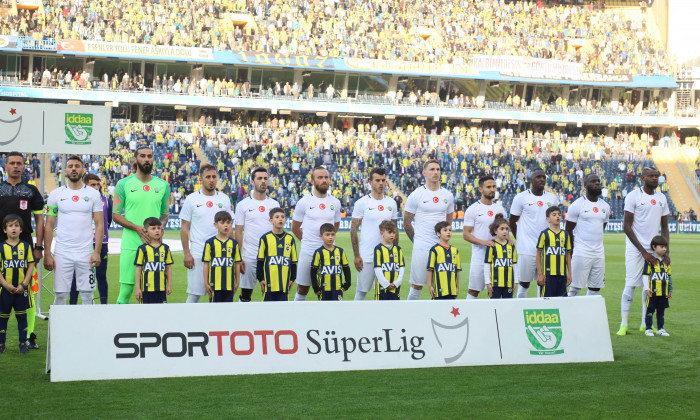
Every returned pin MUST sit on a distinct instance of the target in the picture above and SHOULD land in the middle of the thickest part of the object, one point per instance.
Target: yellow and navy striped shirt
(330, 266)
(277, 256)
(501, 258)
(659, 278)
(555, 247)
(15, 261)
(222, 257)
(389, 259)
(444, 263)
(153, 260)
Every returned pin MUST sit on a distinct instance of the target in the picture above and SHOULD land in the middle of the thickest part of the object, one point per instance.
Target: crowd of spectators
(292, 147)
(439, 31)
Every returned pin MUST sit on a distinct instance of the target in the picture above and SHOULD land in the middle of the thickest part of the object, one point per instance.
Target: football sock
(31, 318)
(574, 291)
(626, 304)
(644, 306)
(125, 292)
(3, 326)
(649, 320)
(470, 297)
(592, 292)
(660, 318)
(192, 298)
(414, 294)
(299, 298)
(246, 295)
(360, 295)
(73, 299)
(21, 326)
(87, 297)
(60, 298)
(522, 292)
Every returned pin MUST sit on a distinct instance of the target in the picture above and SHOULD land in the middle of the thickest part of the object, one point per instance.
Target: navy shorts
(222, 296)
(10, 301)
(446, 297)
(383, 294)
(154, 297)
(554, 286)
(656, 302)
(502, 293)
(275, 297)
(332, 295)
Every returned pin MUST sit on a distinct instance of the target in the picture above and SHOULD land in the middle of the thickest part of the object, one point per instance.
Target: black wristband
(40, 248)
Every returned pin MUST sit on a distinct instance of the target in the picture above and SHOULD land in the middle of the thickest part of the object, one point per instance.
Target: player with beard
(312, 211)
(527, 220)
(252, 223)
(646, 210)
(585, 222)
(197, 226)
(76, 206)
(139, 196)
(477, 220)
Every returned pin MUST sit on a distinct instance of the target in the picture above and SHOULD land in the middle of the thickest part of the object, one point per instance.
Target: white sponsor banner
(54, 128)
(539, 67)
(150, 341)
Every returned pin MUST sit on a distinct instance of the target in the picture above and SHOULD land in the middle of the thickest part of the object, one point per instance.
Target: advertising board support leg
(40, 267)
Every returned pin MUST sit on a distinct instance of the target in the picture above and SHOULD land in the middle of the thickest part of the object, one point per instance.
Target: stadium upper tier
(441, 31)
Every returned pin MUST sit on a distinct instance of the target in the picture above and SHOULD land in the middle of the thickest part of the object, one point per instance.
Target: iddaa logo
(78, 128)
(543, 329)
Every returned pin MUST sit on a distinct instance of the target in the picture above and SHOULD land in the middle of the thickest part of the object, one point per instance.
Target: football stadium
(533, 163)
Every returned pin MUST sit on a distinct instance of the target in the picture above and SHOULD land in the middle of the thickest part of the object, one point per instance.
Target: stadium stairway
(394, 189)
(203, 158)
(46, 173)
(681, 193)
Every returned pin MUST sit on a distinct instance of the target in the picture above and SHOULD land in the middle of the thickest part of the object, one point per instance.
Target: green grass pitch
(651, 377)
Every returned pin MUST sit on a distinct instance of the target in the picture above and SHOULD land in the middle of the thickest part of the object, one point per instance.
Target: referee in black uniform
(23, 199)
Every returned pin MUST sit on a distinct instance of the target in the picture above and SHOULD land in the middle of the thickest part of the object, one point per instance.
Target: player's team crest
(540, 204)
(444, 201)
(603, 210)
(23, 204)
(332, 207)
(210, 204)
(389, 208)
(287, 248)
(381, 208)
(490, 213)
(162, 255)
(261, 209)
(220, 205)
(595, 209)
(229, 250)
(75, 198)
(146, 188)
(322, 206)
(157, 190)
(20, 253)
(653, 202)
(337, 259)
(435, 200)
(549, 204)
(544, 331)
(86, 198)
(509, 252)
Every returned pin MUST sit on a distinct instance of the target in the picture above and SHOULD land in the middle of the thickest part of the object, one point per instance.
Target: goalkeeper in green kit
(139, 196)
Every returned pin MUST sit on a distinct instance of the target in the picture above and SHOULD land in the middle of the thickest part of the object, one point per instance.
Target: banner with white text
(174, 340)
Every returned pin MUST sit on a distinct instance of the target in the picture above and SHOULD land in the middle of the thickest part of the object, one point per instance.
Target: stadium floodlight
(476, 120)
(390, 117)
(321, 114)
(224, 109)
(180, 107)
(513, 122)
(561, 124)
(285, 112)
(72, 102)
(305, 74)
(421, 118)
(110, 104)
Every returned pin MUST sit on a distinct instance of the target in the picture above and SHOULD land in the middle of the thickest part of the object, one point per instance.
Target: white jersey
(480, 216)
(372, 212)
(199, 210)
(589, 216)
(647, 210)
(74, 214)
(254, 216)
(312, 212)
(532, 210)
(429, 208)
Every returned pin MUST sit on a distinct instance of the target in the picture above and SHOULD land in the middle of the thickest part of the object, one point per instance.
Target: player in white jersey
(585, 222)
(368, 212)
(77, 207)
(252, 222)
(477, 220)
(197, 226)
(646, 210)
(428, 204)
(313, 210)
(527, 221)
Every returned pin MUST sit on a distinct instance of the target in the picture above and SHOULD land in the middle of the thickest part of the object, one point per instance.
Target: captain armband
(51, 210)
